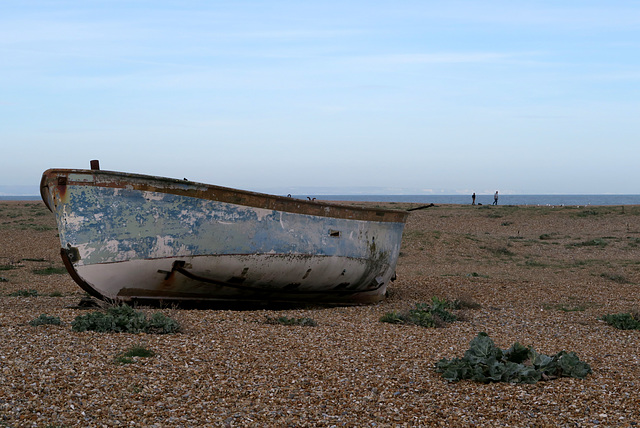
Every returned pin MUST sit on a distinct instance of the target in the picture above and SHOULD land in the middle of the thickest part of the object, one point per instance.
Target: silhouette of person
(473, 198)
(495, 198)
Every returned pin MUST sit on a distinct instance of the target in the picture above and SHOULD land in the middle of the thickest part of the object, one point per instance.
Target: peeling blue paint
(122, 236)
(142, 225)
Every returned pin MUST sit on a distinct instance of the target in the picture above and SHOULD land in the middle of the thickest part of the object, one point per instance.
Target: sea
(536, 200)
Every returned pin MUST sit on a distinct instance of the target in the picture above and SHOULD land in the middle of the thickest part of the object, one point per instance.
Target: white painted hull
(294, 278)
(131, 237)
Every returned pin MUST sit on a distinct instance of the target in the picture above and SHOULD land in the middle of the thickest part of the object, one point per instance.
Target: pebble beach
(540, 276)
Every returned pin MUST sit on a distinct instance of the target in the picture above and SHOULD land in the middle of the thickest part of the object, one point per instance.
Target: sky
(328, 97)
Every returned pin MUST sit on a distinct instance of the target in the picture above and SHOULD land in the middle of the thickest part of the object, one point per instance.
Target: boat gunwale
(116, 179)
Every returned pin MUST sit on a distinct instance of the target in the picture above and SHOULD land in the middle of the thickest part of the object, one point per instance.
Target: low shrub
(392, 318)
(440, 308)
(476, 275)
(422, 316)
(24, 293)
(284, 320)
(598, 242)
(498, 251)
(587, 213)
(568, 307)
(51, 270)
(623, 321)
(45, 319)
(40, 227)
(135, 351)
(125, 319)
(434, 315)
(502, 251)
(485, 362)
(620, 279)
(159, 323)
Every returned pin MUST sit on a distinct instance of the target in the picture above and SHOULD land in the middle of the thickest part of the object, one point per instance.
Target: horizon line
(13, 195)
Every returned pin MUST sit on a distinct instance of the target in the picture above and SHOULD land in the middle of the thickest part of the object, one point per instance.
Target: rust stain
(61, 186)
(64, 254)
(291, 240)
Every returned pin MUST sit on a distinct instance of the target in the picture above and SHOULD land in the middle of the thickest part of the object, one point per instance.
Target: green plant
(7, 267)
(485, 362)
(421, 316)
(51, 270)
(284, 320)
(620, 279)
(3, 279)
(502, 251)
(161, 324)
(440, 308)
(392, 318)
(568, 307)
(124, 319)
(434, 315)
(476, 275)
(40, 227)
(623, 321)
(534, 263)
(633, 242)
(24, 293)
(135, 351)
(587, 213)
(599, 242)
(499, 251)
(45, 319)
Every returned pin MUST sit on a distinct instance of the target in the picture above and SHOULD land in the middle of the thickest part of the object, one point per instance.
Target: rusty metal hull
(133, 237)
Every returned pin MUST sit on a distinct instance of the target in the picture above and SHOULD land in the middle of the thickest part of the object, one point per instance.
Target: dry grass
(542, 276)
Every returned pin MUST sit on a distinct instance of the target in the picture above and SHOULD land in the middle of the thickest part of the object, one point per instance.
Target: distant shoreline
(529, 200)
(21, 198)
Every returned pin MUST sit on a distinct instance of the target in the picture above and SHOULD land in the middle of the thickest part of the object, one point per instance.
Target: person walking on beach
(495, 198)
(473, 198)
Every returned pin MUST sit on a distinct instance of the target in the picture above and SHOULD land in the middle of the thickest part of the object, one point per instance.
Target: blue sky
(527, 97)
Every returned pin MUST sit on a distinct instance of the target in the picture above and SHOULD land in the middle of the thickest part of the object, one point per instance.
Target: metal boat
(132, 237)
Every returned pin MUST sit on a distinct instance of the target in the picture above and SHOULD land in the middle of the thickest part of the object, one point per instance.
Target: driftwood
(421, 208)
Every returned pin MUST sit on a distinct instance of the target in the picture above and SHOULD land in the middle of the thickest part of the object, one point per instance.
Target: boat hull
(134, 237)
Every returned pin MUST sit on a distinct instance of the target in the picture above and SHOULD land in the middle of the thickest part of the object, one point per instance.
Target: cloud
(438, 58)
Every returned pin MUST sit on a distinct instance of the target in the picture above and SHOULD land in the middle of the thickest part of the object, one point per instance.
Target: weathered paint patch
(111, 228)
(135, 226)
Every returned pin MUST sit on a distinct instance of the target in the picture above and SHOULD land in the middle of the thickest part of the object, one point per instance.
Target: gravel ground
(541, 275)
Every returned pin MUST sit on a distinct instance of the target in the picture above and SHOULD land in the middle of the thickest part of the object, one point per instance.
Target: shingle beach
(542, 276)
